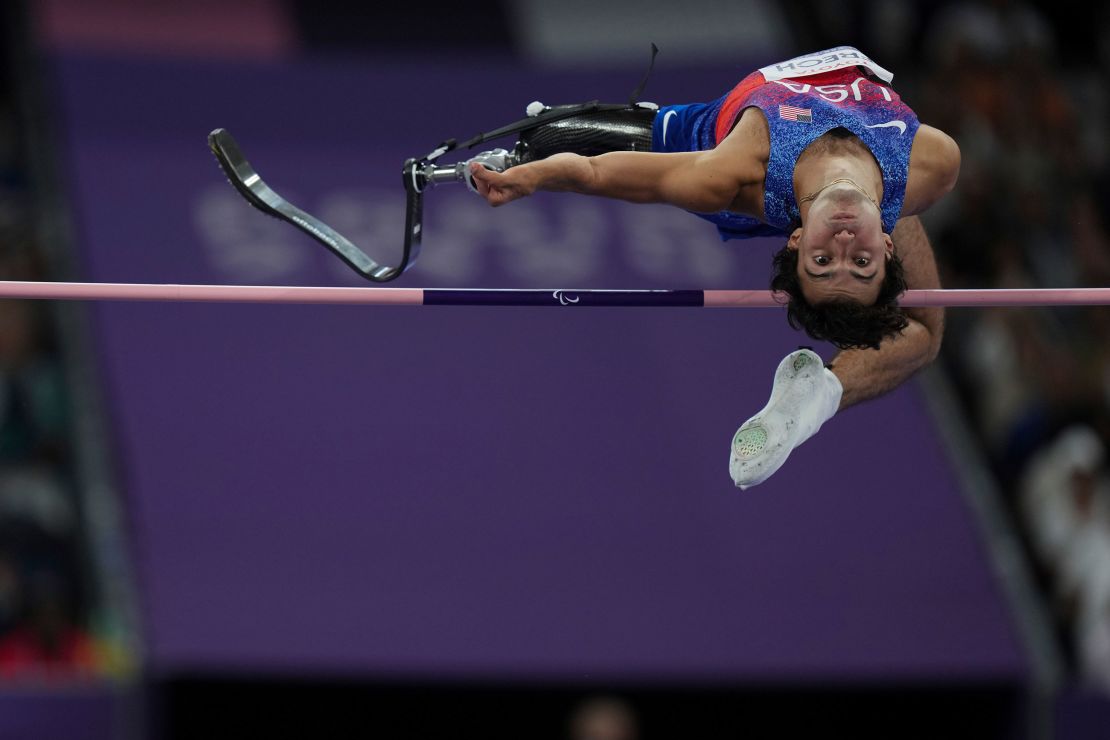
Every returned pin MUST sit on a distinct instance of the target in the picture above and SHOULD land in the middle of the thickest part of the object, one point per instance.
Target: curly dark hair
(846, 323)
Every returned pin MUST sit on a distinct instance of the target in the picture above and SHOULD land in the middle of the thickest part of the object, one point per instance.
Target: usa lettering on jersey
(837, 93)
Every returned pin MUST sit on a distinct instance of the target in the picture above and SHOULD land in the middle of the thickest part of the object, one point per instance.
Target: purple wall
(77, 713)
(524, 492)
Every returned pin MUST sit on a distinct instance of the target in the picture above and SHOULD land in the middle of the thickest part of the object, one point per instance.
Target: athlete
(821, 150)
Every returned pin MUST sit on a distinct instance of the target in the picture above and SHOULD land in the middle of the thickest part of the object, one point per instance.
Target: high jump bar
(518, 297)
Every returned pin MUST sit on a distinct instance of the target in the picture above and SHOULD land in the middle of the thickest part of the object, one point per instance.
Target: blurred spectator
(40, 575)
(33, 423)
(1094, 646)
(1024, 90)
(1084, 578)
(10, 593)
(43, 574)
(1055, 488)
(47, 643)
(1030, 113)
(990, 30)
(1065, 507)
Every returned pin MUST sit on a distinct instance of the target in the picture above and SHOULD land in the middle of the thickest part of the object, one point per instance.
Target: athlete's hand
(499, 188)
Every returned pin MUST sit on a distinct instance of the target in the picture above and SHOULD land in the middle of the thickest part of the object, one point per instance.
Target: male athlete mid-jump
(819, 149)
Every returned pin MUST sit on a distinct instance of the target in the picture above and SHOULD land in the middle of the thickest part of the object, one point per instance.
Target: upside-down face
(842, 249)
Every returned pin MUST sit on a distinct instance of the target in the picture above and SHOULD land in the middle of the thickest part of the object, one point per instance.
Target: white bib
(824, 61)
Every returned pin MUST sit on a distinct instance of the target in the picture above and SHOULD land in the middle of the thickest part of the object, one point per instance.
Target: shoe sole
(750, 443)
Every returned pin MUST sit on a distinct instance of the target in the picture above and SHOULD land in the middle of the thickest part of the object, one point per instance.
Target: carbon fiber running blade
(260, 195)
(242, 175)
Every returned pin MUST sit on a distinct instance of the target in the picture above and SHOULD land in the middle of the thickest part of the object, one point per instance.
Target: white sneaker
(805, 395)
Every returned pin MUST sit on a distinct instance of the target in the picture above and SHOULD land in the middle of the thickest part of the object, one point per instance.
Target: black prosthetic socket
(590, 134)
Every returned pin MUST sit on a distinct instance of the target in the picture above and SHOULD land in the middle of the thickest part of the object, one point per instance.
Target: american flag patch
(791, 113)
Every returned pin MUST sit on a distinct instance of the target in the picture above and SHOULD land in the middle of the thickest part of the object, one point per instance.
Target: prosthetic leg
(589, 128)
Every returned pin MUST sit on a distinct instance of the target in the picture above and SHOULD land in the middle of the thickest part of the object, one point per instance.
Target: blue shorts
(676, 127)
(692, 128)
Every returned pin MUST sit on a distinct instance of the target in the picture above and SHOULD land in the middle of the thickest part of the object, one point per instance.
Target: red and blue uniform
(802, 99)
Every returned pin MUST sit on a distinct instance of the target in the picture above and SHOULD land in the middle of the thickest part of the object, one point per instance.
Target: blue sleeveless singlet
(802, 99)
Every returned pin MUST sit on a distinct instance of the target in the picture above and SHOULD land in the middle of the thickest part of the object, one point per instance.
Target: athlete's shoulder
(934, 168)
(940, 149)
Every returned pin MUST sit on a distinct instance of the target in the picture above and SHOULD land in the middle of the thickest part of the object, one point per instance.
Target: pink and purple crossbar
(510, 297)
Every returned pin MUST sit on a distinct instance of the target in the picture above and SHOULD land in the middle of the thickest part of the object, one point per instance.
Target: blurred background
(225, 521)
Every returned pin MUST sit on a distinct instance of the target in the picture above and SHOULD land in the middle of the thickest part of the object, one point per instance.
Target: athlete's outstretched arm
(806, 394)
(705, 182)
(868, 373)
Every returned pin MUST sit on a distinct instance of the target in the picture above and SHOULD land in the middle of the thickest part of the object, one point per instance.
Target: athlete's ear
(888, 247)
(794, 239)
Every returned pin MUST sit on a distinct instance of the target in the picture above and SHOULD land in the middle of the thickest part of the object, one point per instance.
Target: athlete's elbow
(922, 337)
(935, 330)
(937, 340)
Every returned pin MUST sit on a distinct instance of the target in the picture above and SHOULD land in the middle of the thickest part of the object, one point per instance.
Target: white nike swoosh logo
(900, 125)
(666, 120)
